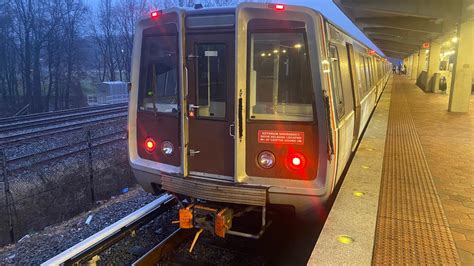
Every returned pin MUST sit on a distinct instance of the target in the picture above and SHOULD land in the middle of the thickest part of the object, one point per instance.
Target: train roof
(232, 9)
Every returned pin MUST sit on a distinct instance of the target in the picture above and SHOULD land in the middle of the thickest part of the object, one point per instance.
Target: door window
(211, 80)
(336, 81)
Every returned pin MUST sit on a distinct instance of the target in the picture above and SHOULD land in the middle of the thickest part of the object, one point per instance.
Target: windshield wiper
(153, 88)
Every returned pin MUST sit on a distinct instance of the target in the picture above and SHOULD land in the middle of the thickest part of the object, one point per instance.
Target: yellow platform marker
(344, 239)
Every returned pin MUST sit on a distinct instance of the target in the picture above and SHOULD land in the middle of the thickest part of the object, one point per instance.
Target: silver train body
(254, 105)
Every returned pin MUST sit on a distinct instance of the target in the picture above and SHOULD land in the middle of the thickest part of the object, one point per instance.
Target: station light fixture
(150, 144)
(454, 39)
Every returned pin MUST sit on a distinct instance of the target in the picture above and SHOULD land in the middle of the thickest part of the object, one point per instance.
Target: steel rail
(98, 141)
(58, 113)
(62, 155)
(168, 245)
(48, 121)
(55, 130)
(85, 250)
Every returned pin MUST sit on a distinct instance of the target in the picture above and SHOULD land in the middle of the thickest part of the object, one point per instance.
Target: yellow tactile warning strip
(411, 225)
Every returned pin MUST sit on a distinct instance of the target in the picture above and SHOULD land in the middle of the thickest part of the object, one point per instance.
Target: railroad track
(283, 244)
(25, 125)
(89, 250)
(208, 250)
(58, 129)
(171, 250)
(58, 113)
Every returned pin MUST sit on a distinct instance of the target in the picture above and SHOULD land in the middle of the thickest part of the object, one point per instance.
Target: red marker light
(296, 161)
(150, 145)
(279, 7)
(155, 14)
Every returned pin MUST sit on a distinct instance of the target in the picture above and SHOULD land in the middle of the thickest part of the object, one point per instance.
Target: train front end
(228, 107)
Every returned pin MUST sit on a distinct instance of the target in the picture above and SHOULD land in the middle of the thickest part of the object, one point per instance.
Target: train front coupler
(217, 220)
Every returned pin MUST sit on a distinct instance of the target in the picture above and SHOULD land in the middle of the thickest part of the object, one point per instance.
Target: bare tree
(45, 54)
(37, 21)
(105, 36)
(9, 56)
(128, 12)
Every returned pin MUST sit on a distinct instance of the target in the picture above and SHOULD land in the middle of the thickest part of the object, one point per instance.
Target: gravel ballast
(35, 248)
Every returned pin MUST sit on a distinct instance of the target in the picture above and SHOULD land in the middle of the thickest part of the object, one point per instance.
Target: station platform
(408, 196)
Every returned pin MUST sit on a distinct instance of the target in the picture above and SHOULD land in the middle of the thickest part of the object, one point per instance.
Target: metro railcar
(256, 105)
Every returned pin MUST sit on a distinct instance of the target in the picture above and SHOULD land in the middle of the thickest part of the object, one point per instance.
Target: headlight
(167, 148)
(266, 159)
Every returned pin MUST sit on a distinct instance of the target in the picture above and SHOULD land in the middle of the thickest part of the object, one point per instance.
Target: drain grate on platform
(411, 225)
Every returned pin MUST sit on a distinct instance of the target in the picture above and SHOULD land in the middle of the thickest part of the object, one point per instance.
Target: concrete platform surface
(425, 176)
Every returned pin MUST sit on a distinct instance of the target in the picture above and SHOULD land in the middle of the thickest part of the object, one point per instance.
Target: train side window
(361, 75)
(159, 89)
(336, 81)
(368, 84)
(211, 80)
(279, 77)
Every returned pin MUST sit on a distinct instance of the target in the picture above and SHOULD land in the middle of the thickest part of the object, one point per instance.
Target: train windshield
(279, 77)
(159, 88)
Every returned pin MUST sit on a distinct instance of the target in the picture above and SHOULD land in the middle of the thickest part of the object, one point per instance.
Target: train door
(156, 97)
(343, 101)
(355, 93)
(210, 63)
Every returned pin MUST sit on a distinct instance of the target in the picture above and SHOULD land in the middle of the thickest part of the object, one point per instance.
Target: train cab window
(159, 89)
(336, 81)
(211, 80)
(279, 77)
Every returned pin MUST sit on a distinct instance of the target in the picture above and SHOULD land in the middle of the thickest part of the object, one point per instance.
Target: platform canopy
(400, 27)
